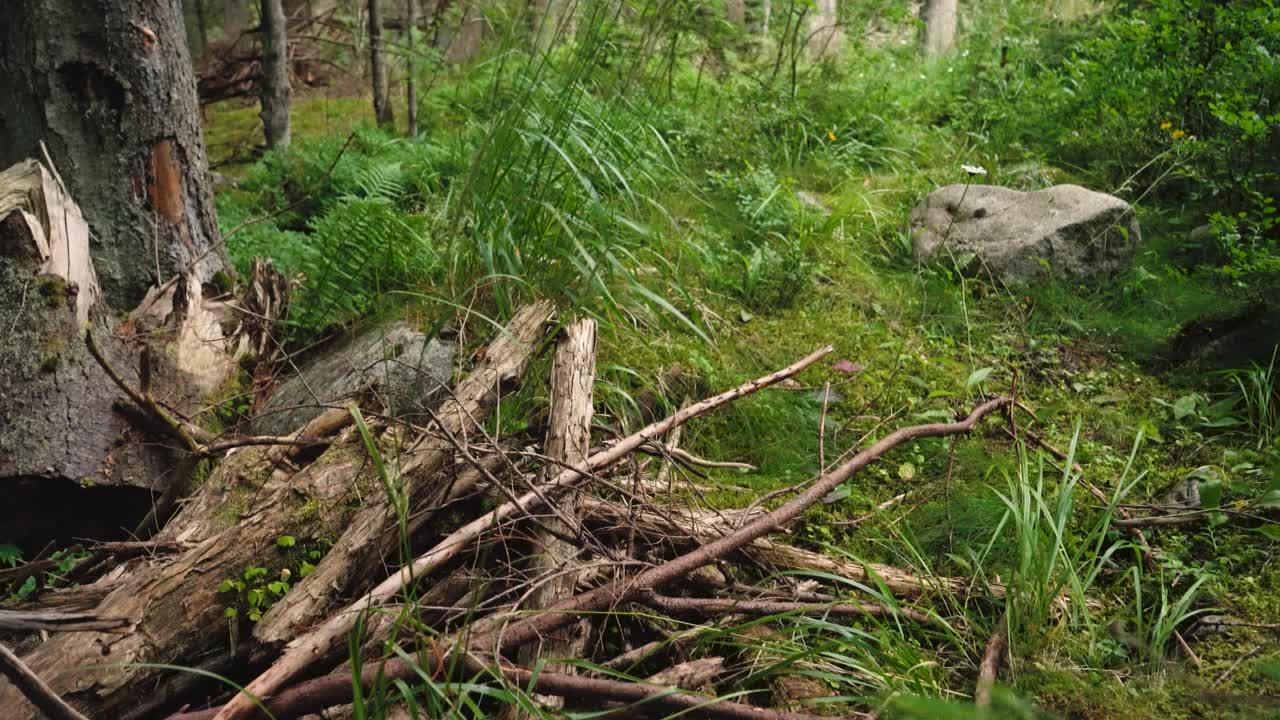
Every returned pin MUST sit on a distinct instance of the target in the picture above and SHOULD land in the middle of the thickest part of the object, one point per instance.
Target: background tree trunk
(552, 22)
(378, 65)
(939, 18)
(735, 11)
(824, 33)
(275, 75)
(112, 93)
(411, 67)
(758, 12)
(235, 18)
(465, 41)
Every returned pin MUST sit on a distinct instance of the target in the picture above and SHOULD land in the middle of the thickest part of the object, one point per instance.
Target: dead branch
(335, 688)
(621, 591)
(766, 552)
(717, 606)
(331, 634)
(35, 689)
(526, 630)
(990, 665)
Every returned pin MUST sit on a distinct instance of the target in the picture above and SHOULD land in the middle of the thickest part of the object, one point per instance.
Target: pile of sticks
(458, 558)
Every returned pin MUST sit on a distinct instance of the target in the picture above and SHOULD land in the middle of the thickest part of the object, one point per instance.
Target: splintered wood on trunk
(573, 375)
(112, 92)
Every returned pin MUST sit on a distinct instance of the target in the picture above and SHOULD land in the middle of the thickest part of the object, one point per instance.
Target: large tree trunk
(68, 466)
(939, 18)
(275, 75)
(378, 66)
(109, 88)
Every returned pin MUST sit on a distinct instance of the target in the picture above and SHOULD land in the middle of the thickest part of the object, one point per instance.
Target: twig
(336, 688)
(718, 606)
(990, 664)
(35, 689)
(1240, 660)
(1186, 649)
(320, 641)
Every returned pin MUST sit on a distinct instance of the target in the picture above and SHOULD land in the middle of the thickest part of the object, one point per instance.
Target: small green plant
(1257, 397)
(257, 588)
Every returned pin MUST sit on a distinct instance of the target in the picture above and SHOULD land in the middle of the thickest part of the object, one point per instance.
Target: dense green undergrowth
(722, 221)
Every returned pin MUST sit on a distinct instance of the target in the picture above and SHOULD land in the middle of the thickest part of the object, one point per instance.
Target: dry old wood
(990, 665)
(573, 376)
(335, 688)
(35, 689)
(232, 522)
(320, 642)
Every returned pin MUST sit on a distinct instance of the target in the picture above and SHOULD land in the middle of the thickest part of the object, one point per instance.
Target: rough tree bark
(64, 452)
(275, 75)
(573, 376)
(939, 35)
(378, 67)
(111, 91)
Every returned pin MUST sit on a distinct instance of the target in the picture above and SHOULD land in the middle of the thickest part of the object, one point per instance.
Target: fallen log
(370, 539)
(335, 688)
(320, 642)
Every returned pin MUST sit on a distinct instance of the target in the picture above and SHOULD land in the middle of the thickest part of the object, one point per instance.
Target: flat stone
(406, 368)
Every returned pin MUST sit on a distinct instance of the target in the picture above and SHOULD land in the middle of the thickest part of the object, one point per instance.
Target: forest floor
(913, 344)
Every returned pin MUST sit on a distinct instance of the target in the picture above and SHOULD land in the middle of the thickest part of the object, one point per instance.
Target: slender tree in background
(112, 94)
(411, 67)
(735, 11)
(824, 34)
(939, 18)
(552, 22)
(235, 18)
(275, 75)
(758, 12)
(378, 66)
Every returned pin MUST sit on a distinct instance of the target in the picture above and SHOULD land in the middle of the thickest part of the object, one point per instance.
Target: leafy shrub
(1173, 100)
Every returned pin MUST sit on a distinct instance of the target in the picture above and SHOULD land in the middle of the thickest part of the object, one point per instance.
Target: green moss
(53, 289)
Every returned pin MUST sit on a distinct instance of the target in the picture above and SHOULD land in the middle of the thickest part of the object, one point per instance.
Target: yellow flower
(831, 136)
(1166, 125)
(1177, 134)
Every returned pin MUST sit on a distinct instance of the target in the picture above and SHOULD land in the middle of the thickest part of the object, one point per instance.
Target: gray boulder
(408, 370)
(1064, 232)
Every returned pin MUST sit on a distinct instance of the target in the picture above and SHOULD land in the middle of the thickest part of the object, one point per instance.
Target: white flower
(974, 169)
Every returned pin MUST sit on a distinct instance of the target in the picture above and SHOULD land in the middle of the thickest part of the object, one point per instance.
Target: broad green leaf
(978, 376)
